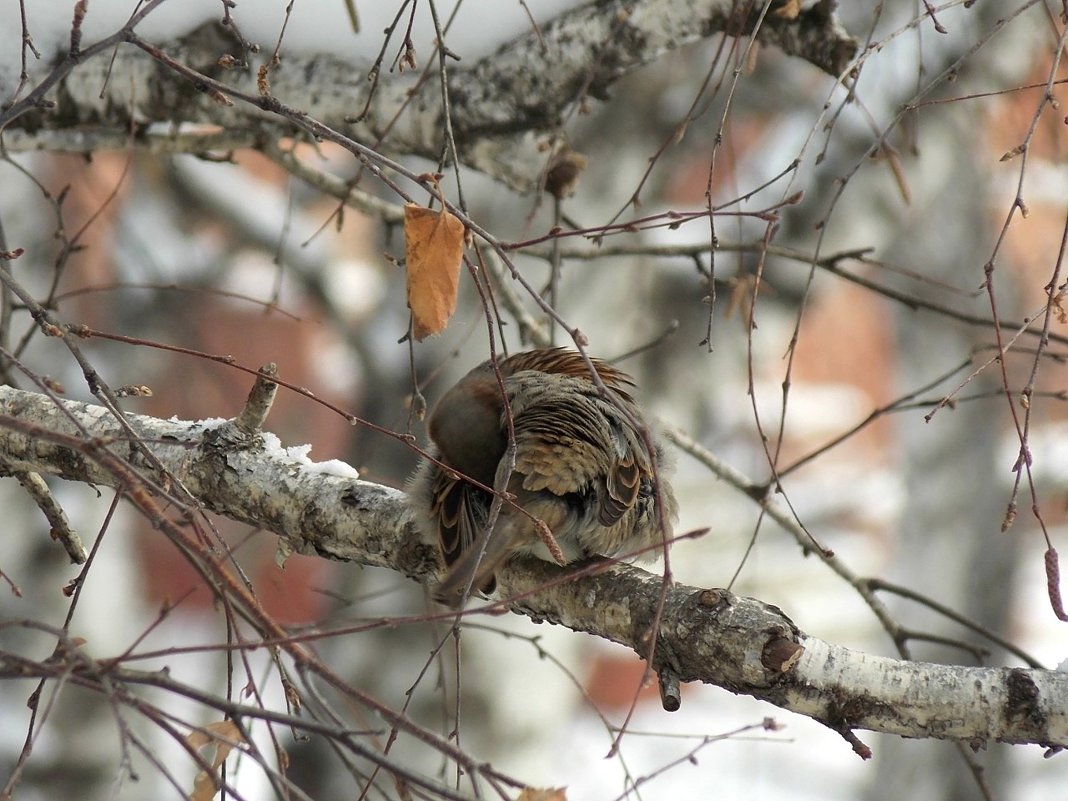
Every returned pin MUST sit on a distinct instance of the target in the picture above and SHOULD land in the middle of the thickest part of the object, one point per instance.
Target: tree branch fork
(740, 644)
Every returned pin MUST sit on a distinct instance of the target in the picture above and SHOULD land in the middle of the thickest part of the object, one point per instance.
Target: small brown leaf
(564, 171)
(434, 248)
(224, 735)
(787, 9)
(543, 794)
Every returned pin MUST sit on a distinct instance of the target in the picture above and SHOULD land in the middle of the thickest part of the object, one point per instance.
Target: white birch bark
(740, 644)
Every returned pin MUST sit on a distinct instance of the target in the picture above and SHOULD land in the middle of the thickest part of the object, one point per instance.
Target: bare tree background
(826, 238)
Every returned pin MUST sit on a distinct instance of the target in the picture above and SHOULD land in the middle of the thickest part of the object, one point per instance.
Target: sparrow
(582, 469)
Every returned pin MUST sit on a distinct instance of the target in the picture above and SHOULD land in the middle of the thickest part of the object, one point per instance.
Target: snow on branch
(712, 636)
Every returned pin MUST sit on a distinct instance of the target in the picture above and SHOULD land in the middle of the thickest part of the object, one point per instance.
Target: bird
(582, 469)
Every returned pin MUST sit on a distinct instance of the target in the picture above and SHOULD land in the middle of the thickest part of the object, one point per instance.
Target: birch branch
(504, 107)
(740, 644)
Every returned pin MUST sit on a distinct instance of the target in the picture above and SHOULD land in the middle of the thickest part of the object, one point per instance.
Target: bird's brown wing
(569, 440)
(621, 489)
(561, 361)
(459, 509)
(562, 439)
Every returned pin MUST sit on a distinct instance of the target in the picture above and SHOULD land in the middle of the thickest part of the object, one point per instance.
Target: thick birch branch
(503, 107)
(711, 636)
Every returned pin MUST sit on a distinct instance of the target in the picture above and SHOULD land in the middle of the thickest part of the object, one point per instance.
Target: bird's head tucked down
(582, 468)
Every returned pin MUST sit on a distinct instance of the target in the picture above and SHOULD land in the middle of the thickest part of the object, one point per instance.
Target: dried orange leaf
(434, 247)
(788, 9)
(547, 794)
(224, 735)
